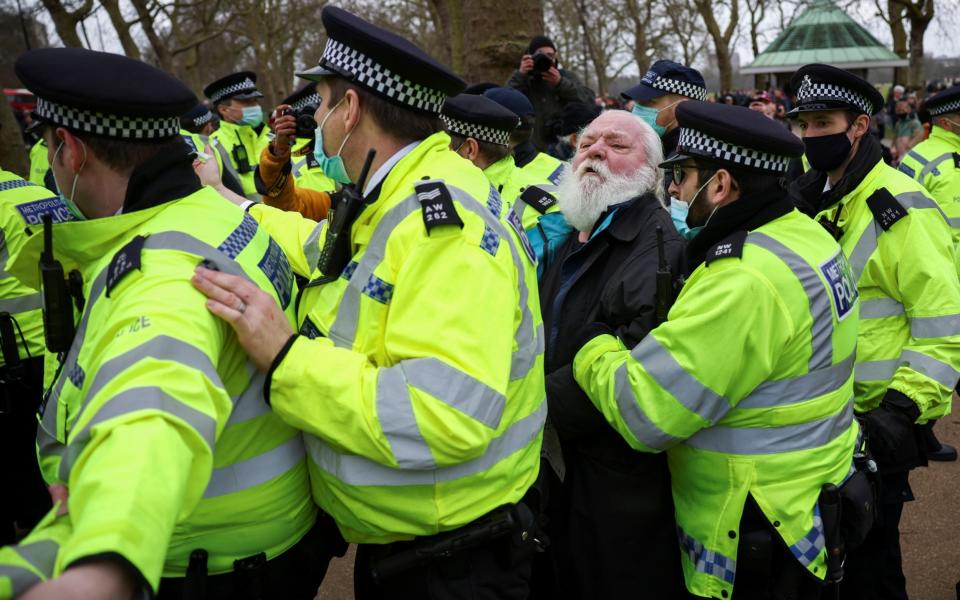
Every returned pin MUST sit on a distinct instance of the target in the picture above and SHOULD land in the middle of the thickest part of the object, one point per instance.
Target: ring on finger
(242, 308)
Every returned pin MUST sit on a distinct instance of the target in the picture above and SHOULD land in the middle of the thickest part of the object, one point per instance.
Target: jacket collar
(165, 177)
(524, 154)
(499, 173)
(624, 221)
(946, 135)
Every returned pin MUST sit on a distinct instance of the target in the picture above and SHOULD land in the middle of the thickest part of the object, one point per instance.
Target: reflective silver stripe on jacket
(21, 304)
(256, 470)
(880, 308)
(442, 381)
(359, 471)
(883, 370)
(774, 440)
(821, 313)
(867, 244)
(311, 248)
(343, 332)
(935, 327)
(793, 390)
(931, 166)
(41, 555)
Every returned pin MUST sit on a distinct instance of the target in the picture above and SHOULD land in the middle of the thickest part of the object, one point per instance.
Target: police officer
(421, 390)
(289, 176)
(178, 477)
(242, 132)
(479, 130)
(22, 204)
(661, 90)
(196, 125)
(748, 384)
(538, 167)
(901, 251)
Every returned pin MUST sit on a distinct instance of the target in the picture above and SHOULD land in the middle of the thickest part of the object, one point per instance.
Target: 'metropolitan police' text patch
(840, 279)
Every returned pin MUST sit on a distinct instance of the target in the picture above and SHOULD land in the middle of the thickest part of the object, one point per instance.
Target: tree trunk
(899, 35)
(721, 39)
(917, 31)
(122, 28)
(66, 21)
(496, 35)
(13, 156)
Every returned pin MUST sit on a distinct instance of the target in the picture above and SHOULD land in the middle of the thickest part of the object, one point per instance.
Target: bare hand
(261, 326)
(552, 77)
(526, 64)
(59, 494)
(209, 170)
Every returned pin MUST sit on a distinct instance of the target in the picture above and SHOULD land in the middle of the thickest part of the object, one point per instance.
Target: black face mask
(827, 152)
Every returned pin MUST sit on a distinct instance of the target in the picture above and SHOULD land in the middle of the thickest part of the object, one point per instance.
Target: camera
(541, 64)
(306, 124)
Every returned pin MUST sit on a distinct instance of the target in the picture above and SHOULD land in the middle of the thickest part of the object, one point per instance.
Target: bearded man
(612, 526)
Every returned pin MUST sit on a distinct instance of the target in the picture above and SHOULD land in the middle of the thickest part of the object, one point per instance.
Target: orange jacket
(309, 203)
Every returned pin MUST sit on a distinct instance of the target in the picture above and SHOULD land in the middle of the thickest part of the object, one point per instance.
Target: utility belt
(255, 577)
(514, 525)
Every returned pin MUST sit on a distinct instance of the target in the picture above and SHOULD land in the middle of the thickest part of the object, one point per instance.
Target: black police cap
(947, 101)
(104, 94)
(196, 117)
(733, 136)
(383, 63)
(823, 87)
(668, 77)
(303, 97)
(240, 86)
(479, 117)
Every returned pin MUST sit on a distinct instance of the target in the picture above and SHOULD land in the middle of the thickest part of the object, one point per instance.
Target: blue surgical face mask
(680, 209)
(252, 116)
(332, 166)
(649, 115)
(68, 202)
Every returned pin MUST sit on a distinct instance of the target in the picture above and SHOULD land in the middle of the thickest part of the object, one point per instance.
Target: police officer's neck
(101, 191)
(366, 138)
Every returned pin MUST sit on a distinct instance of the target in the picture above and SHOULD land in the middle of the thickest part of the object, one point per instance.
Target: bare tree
(918, 13)
(722, 36)
(66, 19)
(685, 28)
(644, 25)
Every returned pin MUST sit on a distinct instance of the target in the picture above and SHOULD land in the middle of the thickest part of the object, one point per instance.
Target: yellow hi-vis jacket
(39, 164)
(237, 143)
(529, 192)
(748, 387)
(422, 390)
(157, 423)
(902, 255)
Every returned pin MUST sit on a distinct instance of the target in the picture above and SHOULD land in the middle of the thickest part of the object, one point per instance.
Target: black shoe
(946, 453)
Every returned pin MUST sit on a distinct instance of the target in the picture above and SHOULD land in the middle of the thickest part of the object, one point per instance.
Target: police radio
(58, 328)
(664, 280)
(336, 251)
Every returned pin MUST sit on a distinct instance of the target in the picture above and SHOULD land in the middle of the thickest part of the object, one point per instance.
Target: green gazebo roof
(823, 34)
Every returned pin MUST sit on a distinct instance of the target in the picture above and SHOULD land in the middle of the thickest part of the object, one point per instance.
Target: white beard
(583, 198)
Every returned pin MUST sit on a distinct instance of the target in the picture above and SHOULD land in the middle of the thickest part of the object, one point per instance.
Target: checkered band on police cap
(313, 99)
(482, 133)
(672, 86)
(107, 125)
(380, 79)
(243, 87)
(811, 91)
(202, 119)
(947, 107)
(698, 143)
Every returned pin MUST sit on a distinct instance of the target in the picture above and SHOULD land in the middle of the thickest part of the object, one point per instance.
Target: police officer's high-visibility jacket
(39, 163)
(242, 145)
(901, 251)
(543, 167)
(157, 422)
(529, 193)
(305, 170)
(422, 390)
(748, 387)
(32, 559)
(935, 164)
(22, 205)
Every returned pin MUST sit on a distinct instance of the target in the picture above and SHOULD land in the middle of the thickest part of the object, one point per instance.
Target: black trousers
(497, 570)
(294, 575)
(27, 500)
(874, 571)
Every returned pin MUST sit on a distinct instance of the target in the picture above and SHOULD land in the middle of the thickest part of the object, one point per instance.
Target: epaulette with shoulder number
(124, 261)
(729, 247)
(436, 204)
(538, 199)
(885, 208)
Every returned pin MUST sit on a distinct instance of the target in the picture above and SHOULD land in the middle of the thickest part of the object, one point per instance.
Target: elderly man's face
(613, 138)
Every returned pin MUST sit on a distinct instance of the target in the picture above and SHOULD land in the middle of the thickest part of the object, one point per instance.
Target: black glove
(890, 429)
(593, 330)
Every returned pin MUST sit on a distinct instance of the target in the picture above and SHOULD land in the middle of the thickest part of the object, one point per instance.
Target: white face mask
(68, 201)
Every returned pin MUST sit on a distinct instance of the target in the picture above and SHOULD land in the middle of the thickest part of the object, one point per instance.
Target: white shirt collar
(384, 170)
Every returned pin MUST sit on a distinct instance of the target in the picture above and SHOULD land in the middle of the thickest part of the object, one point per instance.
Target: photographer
(289, 176)
(547, 86)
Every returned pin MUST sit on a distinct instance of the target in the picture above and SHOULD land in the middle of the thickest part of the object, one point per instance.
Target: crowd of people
(509, 341)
